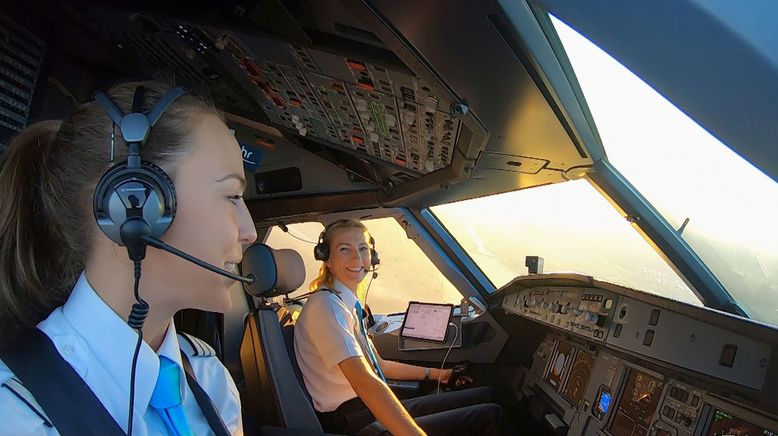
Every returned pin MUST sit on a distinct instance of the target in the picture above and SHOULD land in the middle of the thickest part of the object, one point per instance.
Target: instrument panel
(606, 317)
(598, 393)
(599, 373)
(725, 424)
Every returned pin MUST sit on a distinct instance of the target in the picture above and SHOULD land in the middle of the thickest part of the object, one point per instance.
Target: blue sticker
(252, 156)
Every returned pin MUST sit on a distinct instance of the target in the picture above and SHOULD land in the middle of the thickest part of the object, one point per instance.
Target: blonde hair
(48, 174)
(325, 279)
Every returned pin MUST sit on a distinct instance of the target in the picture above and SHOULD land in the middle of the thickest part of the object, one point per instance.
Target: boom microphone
(156, 243)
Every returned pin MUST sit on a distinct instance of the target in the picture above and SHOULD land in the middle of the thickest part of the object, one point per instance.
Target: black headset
(135, 199)
(322, 249)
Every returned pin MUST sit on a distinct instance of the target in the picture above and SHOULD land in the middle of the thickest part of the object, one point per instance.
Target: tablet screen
(427, 321)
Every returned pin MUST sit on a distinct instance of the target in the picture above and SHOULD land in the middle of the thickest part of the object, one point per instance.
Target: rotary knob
(590, 317)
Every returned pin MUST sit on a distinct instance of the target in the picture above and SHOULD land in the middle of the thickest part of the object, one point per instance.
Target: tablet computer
(427, 321)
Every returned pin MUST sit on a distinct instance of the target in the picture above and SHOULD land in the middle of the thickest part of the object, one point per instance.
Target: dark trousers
(466, 412)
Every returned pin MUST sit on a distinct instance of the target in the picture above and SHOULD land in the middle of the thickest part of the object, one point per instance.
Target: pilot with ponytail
(343, 372)
(71, 275)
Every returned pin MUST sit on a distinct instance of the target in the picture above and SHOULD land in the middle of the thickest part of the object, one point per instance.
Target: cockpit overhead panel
(369, 105)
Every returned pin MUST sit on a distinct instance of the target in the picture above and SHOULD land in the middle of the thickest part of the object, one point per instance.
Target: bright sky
(686, 173)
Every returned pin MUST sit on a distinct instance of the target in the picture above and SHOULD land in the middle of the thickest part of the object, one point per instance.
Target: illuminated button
(264, 86)
(356, 65)
(590, 316)
(357, 140)
(366, 84)
(295, 102)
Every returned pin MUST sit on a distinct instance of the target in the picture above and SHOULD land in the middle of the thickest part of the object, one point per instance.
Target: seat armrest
(404, 385)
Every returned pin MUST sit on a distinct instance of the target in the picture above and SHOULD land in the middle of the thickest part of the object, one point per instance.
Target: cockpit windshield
(720, 204)
(571, 226)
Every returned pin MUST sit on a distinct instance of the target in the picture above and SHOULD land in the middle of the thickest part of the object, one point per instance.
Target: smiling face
(212, 222)
(349, 258)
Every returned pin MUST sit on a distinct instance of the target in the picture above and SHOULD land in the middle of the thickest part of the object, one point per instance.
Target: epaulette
(17, 388)
(194, 346)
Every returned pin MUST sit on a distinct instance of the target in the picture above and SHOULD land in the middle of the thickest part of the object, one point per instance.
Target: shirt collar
(347, 295)
(113, 342)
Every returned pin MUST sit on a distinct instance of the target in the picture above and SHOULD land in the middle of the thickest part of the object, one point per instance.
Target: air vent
(21, 54)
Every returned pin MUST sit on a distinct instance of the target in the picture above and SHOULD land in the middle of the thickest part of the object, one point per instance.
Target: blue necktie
(370, 353)
(167, 398)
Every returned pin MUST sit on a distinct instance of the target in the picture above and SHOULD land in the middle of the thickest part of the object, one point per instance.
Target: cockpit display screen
(604, 402)
(724, 424)
(579, 378)
(639, 401)
(562, 357)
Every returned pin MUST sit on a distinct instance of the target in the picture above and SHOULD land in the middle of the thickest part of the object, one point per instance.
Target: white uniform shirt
(99, 346)
(326, 334)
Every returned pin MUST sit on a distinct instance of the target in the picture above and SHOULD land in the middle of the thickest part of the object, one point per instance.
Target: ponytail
(33, 255)
(47, 180)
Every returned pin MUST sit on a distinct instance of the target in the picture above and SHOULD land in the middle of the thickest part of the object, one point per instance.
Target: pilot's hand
(458, 377)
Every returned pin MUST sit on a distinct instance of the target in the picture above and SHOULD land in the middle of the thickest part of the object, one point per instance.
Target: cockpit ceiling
(422, 103)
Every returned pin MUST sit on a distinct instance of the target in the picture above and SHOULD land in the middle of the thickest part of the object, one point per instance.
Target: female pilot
(335, 356)
(62, 274)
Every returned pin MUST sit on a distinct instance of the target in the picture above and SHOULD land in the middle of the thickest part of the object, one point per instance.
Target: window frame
(417, 231)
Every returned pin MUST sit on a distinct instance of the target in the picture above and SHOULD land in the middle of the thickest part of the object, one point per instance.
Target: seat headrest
(277, 272)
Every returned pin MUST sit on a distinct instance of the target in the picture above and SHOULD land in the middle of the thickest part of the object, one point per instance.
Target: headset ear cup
(144, 194)
(321, 252)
